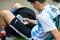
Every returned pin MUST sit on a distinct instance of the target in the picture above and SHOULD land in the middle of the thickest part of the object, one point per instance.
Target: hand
(27, 20)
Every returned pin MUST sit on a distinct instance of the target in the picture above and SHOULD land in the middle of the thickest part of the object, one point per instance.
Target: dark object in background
(24, 12)
(57, 1)
(57, 21)
(3, 38)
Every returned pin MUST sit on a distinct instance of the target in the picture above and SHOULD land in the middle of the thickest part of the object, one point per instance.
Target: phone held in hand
(21, 19)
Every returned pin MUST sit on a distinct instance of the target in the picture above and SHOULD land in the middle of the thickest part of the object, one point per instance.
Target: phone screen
(21, 19)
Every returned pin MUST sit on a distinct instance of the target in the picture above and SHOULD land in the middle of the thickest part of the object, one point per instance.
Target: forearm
(33, 21)
(56, 34)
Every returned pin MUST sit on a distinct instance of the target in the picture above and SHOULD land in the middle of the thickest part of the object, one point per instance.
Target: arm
(31, 21)
(56, 34)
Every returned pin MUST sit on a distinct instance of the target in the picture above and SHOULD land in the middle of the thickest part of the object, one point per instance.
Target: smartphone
(21, 19)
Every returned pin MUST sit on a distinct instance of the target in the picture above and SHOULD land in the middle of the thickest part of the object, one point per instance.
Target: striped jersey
(45, 22)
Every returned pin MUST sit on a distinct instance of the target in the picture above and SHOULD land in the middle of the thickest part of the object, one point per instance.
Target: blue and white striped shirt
(45, 22)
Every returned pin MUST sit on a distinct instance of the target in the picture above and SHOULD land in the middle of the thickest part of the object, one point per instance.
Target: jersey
(45, 22)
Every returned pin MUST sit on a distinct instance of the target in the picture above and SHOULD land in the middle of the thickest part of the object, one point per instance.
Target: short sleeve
(46, 22)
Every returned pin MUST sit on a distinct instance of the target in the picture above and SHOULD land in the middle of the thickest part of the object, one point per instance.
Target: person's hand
(27, 20)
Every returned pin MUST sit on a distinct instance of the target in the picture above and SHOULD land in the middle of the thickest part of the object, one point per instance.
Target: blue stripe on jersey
(48, 12)
(33, 33)
(39, 23)
(55, 10)
(39, 26)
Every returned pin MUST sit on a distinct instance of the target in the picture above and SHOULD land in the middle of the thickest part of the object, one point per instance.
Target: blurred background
(7, 4)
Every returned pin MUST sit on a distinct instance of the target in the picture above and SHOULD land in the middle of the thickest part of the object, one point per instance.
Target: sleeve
(46, 23)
